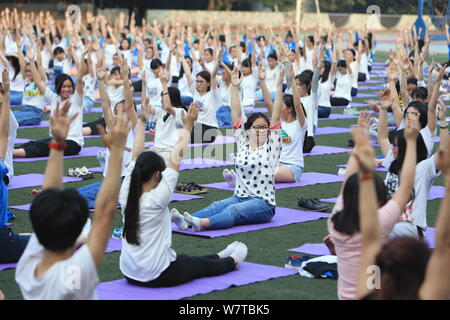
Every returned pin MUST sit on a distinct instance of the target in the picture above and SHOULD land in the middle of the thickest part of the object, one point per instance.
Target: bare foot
(2, 296)
(35, 192)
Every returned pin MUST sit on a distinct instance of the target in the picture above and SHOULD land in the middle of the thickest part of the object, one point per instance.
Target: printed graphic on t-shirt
(285, 138)
(407, 212)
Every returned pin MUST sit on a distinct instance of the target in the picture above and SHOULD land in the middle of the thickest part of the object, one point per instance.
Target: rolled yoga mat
(283, 217)
(331, 130)
(248, 273)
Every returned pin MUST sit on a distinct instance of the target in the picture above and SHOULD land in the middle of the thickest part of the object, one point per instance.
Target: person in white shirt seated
(54, 266)
(342, 94)
(272, 70)
(147, 258)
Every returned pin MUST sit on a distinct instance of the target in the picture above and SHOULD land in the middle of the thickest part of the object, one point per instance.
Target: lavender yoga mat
(366, 95)
(43, 124)
(379, 87)
(338, 116)
(8, 266)
(85, 152)
(320, 249)
(307, 179)
(21, 141)
(331, 130)
(248, 273)
(219, 140)
(323, 150)
(380, 169)
(32, 180)
(283, 217)
(317, 249)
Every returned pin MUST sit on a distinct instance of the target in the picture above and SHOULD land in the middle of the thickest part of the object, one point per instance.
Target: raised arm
(182, 143)
(403, 194)
(21, 57)
(368, 207)
(265, 91)
(129, 103)
(396, 108)
(107, 198)
(104, 97)
(278, 100)
(139, 138)
(436, 285)
(167, 105)
(383, 134)
(59, 125)
(236, 110)
(301, 117)
(4, 113)
(433, 101)
(81, 69)
(35, 73)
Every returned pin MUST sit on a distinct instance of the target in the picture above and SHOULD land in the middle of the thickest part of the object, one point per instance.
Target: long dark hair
(421, 151)
(14, 61)
(175, 101)
(206, 76)
(347, 220)
(326, 72)
(182, 69)
(403, 263)
(59, 81)
(147, 164)
(423, 110)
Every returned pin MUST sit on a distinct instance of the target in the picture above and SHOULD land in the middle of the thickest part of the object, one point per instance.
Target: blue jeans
(88, 103)
(354, 92)
(28, 116)
(223, 116)
(90, 192)
(324, 112)
(187, 100)
(236, 211)
(57, 70)
(12, 245)
(15, 97)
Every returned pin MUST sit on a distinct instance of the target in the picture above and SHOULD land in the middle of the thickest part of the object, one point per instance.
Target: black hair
(182, 69)
(243, 46)
(248, 124)
(420, 44)
(129, 43)
(421, 151)
(347, 220)
(341, 64)
(147, 164)
(196, 41)
(353, 52)
(289, 34)
(115, 70)
(305, 78)
(420, 93)
(209, 50)
(59, 81)
(259, 38)
(14, 61)
(423, 110)
(246, 63)
(326, 72)
(369, 39)
(205, 75)
(58, 217)
(272, 55)
(411, 80)
(175, 98)
(58, 50)
(311, 39)
(155, 64)
(222, 38)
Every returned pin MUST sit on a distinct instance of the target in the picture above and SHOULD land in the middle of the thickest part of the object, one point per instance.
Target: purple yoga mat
(260, 109)
(366, 95)
(307, 179)
(283, 217)
(380, 169)
(32, 180)
(376, 81)
(85, 152)
(320, 249)
(338, 116)
(219, 141)
(317, 249)
(323, 150)
(247, 273)
(8, 266)
(331, 130)
(43, 124)
(378, 87)
(21, 141)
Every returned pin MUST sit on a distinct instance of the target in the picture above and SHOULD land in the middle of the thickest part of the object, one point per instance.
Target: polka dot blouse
(255, 169)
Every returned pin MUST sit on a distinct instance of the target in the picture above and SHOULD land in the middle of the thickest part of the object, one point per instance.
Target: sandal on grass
(190, 188)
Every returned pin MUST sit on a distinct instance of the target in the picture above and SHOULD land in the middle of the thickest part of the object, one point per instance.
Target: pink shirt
(348, 248)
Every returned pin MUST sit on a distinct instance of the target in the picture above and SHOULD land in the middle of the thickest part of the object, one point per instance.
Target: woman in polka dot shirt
(258, 153)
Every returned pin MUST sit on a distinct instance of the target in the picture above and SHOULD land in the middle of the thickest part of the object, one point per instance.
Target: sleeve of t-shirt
(81, 267)
(125, 187)
(163, 192)
(179, 113)
(388, 159)
(388, 216)
(77, 101)
(33, 247)
(49, 96)
(426, 171)
(428, 138)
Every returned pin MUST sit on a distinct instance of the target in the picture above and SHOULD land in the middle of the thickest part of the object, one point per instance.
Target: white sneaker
(239, 254)
(178, 219)
(230, 177)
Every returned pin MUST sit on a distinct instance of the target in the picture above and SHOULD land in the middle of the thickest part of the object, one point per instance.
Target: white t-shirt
(210, 65)
(343, 86)
(183, 86)
(355, 68)
(13, 125)
(46, 57)
(416, 209)
(324, 92)
(154, 89)
(225, 92)
(272, 77)
(166, 133)
(210, 102)
(127, 54)
(364, 65)
(76, 127)
(32, 96)
(110, 50)
(116, 94)
(10, 45)
(73, 279)
(310, 103)
(127, 153)
(154, 254)
(89, 86)
(309, 58)
(255, 169)
(17, 84)
(248, 88)
(65, 64)
(427, 136)
(292, 138)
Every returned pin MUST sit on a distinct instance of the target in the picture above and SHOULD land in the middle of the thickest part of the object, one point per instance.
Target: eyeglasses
(200, 81)
(416, 114)
(260, 127)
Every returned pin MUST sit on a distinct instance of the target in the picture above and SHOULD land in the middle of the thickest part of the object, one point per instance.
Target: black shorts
(93, 125)
(39, 148)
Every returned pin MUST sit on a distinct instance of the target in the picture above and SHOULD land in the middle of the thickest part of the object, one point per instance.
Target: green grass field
(267, 246)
